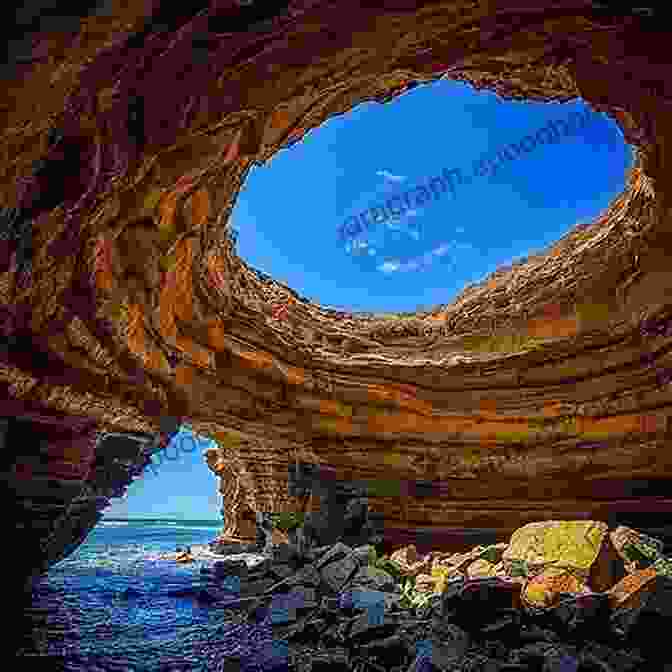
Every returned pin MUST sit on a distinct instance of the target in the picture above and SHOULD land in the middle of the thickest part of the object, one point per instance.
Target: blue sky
(288, 214)
(180, 485)
(289, 211)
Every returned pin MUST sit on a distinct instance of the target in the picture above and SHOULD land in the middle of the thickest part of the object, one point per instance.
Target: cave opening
(397, 207)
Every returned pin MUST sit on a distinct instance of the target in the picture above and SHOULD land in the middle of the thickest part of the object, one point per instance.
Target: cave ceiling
(126, 139)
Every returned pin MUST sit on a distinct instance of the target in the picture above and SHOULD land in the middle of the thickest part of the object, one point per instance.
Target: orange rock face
(131, 305)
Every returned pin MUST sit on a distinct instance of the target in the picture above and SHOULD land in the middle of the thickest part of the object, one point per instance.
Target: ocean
(115, 605)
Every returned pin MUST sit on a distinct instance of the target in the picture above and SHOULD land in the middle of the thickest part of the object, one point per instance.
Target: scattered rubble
(561, 595)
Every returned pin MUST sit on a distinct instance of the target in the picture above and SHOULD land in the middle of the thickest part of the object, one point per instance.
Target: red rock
(164, 320)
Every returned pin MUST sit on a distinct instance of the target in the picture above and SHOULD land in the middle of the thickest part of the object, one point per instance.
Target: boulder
(373, 578)
(223, 568)
(343, 612)
(338, 566)
(409, 562)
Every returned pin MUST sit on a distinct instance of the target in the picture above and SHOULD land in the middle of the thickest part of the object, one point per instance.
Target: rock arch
(123, 302)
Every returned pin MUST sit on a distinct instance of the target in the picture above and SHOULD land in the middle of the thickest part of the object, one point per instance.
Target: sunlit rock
(542, 394)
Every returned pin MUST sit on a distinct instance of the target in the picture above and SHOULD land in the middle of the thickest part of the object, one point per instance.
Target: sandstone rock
(607, 569)
(649, 615)
(573, 544)
(545, 588)
(408, 561)
(458, 563)
(636, 550)
(126, 280)
(627, 592)
(425, 583)
(481, 569)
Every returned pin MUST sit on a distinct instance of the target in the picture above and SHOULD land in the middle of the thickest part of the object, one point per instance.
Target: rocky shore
(560, 596)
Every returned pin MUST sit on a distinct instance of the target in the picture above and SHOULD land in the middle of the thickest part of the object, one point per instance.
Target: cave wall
(124, 144)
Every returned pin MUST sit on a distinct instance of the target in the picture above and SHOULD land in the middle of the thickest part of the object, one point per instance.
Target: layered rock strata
(542, 392)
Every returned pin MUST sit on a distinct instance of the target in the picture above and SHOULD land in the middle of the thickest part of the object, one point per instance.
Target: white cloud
(441, 249)
(423, 261)
(389, 266)
(387, 174)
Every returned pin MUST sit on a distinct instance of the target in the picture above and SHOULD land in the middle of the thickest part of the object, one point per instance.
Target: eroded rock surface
(542, 393)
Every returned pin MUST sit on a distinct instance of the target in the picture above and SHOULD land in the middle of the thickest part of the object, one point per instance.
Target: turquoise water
(116, 605)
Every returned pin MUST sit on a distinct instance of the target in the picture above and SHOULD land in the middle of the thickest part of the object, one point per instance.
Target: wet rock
(342, 613)
(282, 571)
(260, 568)
(596, 654)
(358, 598)
(256, 587)
(364, 553)
(331, 661)
(582, 616)
(232, 549)
(223, 568)
(474, 604)
(448, 648)
(306, 576)
(331, 604)
(337, 566)
(283, 607)
(370, 625)
(316, 553)
(284, 554)
(645, 621)
(373, 578)
(264, 531)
